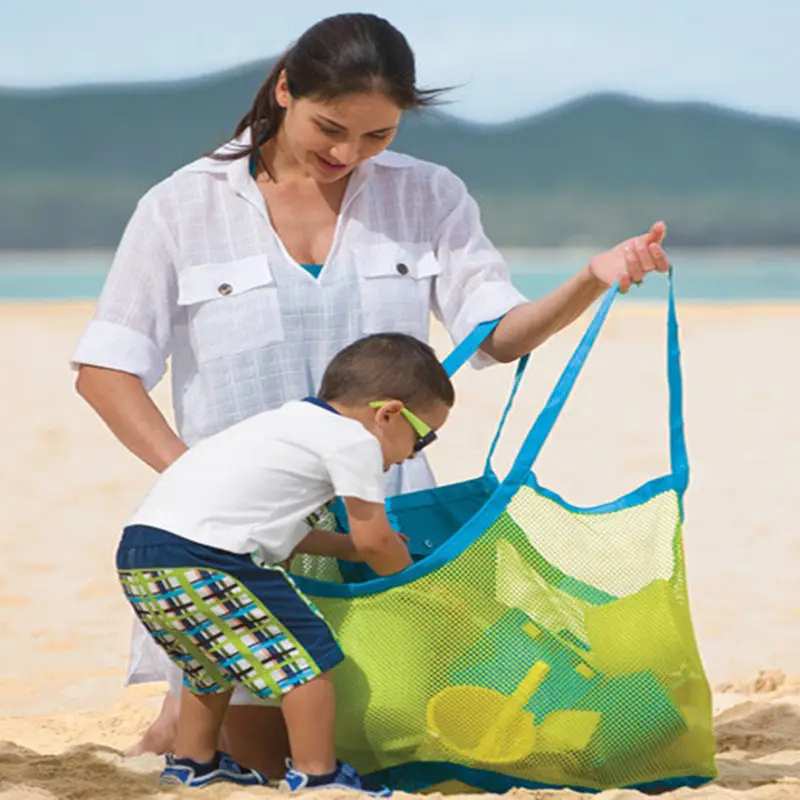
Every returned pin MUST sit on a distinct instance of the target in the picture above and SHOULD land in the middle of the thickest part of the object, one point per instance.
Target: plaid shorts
(224, 618)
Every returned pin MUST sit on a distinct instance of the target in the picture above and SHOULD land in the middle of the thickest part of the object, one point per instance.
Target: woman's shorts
(224, 618)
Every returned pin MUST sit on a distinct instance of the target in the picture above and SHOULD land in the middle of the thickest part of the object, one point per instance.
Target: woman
(252, 267)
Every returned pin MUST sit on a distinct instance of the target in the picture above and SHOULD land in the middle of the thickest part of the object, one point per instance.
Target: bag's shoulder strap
(462, 353)
(467, 348)
(544, 423)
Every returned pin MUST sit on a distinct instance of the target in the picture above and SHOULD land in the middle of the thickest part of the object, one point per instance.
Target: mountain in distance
(74, 161)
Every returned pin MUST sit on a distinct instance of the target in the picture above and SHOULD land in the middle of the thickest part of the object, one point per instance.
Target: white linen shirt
(200, 275)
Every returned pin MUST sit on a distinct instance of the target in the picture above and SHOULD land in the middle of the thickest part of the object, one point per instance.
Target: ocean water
(699, 275)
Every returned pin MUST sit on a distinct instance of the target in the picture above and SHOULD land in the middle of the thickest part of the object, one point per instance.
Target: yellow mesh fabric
(555, 649)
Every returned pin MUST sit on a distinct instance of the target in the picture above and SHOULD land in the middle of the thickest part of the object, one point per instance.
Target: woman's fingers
(632, 265)
(644, 255)
(659, 257)
(657, 233)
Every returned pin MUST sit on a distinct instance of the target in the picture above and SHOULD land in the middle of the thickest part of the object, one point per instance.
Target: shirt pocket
(232, 307)
(395, 283)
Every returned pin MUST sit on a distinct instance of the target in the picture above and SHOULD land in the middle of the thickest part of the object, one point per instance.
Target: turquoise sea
(708, 276)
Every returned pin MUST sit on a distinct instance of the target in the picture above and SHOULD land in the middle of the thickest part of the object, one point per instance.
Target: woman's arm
(527, 326)
(121, 401)
(123, 352)
(474, 285)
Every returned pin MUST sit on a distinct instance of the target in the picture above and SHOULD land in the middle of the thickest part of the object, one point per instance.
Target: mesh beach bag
(532, 643)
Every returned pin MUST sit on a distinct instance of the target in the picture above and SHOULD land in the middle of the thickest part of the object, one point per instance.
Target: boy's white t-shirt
(251, 487)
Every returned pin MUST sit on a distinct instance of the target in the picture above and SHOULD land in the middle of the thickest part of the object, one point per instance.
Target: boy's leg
(197, 760)
(255, 736)
(309, 710)
(199, 722)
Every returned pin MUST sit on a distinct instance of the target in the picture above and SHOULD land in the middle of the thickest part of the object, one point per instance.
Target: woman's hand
(632, 259)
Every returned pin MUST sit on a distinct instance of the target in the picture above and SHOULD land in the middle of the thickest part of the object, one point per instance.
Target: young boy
(199, 560)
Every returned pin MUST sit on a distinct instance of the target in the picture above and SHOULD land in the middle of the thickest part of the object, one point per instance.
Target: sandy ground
(68, 486)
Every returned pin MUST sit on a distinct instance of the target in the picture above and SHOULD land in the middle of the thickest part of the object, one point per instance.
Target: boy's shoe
(343, 777)
(221, 769)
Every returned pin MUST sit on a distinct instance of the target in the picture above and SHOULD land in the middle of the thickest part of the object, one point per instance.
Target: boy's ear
(391, 408)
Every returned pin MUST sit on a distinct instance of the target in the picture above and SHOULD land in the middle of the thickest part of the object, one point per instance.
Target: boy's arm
(373, 537)
(319, 542)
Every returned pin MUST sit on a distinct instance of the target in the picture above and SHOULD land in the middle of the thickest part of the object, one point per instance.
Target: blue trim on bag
(470, 531)
(415, 776)
(450, 493)
(452, 548)
(639, 496)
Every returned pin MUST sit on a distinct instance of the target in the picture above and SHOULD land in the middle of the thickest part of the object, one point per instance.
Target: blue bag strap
(544, 423)
(467, 348)
(462, 353)
(679, 459)
(521, 365)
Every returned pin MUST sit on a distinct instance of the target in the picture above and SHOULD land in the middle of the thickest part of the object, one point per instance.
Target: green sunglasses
(425, 434)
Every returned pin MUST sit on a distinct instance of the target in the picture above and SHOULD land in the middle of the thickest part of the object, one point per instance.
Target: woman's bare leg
(159, 738)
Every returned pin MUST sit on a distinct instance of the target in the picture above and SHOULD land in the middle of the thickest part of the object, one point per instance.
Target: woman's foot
(159, 738)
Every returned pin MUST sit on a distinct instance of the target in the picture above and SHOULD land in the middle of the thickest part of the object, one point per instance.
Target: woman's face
(330, 138)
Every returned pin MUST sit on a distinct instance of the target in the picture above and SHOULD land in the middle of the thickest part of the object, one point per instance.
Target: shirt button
(402, 269)
(224, 289)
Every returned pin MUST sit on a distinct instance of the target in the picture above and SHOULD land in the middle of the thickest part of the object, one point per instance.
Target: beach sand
(64, 627)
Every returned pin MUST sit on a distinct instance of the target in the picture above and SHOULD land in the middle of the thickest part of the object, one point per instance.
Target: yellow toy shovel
(480, 724)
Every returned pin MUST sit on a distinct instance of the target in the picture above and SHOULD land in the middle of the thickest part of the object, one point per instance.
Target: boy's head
(395, 385)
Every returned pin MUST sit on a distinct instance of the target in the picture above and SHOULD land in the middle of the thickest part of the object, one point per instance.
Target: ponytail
(263, 120)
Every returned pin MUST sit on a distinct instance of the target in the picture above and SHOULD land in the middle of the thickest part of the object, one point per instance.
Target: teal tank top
(312, 269)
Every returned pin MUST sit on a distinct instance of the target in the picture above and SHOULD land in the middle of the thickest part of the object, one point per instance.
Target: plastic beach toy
(499, 731)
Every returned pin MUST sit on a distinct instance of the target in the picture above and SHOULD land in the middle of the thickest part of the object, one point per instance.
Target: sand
(64, 627)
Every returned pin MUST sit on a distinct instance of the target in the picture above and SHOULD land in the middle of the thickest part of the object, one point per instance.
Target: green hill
(74, 161)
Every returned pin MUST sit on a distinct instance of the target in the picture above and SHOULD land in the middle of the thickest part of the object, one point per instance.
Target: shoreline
(745, 251)
(14, 306)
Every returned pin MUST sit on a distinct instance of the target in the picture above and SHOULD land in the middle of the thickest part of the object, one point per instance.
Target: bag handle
(521, 365)
(467, 348)
(544, 423)
(462, 353)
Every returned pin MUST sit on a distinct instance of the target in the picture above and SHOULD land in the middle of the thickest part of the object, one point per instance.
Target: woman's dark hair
(340, 55)
(387, 366)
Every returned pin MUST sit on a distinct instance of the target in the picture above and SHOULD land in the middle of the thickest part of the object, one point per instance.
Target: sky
(511, 58)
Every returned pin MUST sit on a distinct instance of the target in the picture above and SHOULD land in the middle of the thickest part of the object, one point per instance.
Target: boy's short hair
(387, 366)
